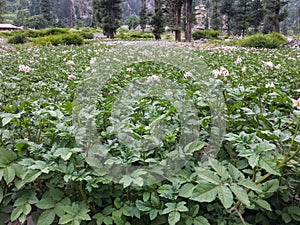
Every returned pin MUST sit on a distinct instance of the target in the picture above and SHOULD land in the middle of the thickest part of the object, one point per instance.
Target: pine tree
(243, 16)
(257, 14)
(2, 9)
(107, 14)
(274, 15)
(189, 17)
(35, 7)
(143, 15)
(158, 21)
(227, 9)
(215, 21)
(46, 10)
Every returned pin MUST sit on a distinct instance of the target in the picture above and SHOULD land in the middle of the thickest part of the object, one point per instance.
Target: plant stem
(240, 215)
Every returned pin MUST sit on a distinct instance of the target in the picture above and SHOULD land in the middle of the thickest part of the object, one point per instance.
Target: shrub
(272, 40)
(54, 31)
(18, 38)
(135, 35)
(86, 34)
(208, 34)
(72, 39)
(66, 39)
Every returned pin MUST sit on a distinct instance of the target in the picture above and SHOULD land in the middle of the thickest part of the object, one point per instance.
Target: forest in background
(71, 13)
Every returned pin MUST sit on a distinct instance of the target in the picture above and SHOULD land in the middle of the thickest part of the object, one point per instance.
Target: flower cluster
(238, 60)
(72, 77)
(153, 78)
(70, 63)
(269, 65)
(270, 85)
(187, 75)
(23, 68)
(223, 72)
(296, 103)
(92, 61)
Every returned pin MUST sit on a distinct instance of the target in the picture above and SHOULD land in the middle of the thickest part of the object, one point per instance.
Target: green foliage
(86, 34)
(59, 39)
(18, 38)
(107, 14)
(272, 40)
(134, 35)
(208, 34)
(44, 175)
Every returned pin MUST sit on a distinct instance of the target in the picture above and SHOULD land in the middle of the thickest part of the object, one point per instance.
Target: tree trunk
(276, 17)
(178, 24)
(189, 13)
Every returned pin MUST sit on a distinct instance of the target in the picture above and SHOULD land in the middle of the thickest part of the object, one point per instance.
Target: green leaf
(250, 184)
(264, 147)
(99, 218)
(173, 218)
(253, 160)
(46, 203)
(9, 174)
(1, 194)
(107, 220)
(66, 219)
(146, 196)
(263, 204)
(180, 206)
(194, 210)
(26, 209)
(47, 217)
(235, 173)
(155, 200)
(205, 193)
(6, 121)
(64, 153)
(16, 213)
(271, 186)
(194, 146)
(200, 220)
(31, 176)
(219, 168)
(56, 194)
(286, 217)
(269, 165)
(153, 214)
(143, 206)
(117, 217)
(186, 190)
(83, 215)
(241, 194)
(7, 157)
(225, 195)
(126, 180)
(171, 206)
(208, 176)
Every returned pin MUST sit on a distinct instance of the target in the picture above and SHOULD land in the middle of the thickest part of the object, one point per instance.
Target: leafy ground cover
(254, 178)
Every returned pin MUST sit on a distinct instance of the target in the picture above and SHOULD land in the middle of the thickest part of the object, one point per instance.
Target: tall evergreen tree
(107, 14)
(189, 18)
(215, 21)
(242, 18)
(274, 15)
(228, 10)
(46, 10)
(158, 21)
(35, 7)
(143, 15)
(2, 9)
(257, 14)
